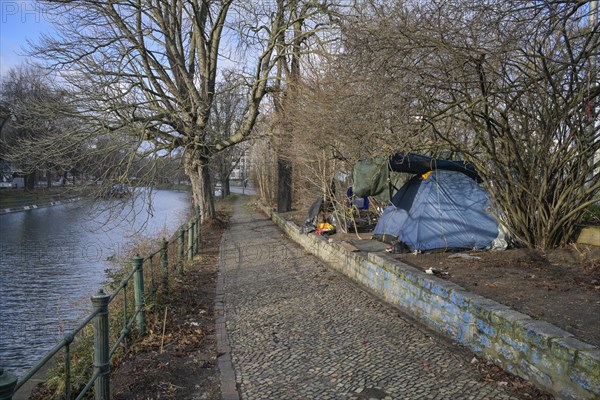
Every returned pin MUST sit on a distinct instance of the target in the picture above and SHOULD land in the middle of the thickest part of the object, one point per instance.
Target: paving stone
(299, 330)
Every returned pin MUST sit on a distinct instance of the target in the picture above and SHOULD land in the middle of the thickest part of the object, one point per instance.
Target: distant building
(241, 169)
(9, 175)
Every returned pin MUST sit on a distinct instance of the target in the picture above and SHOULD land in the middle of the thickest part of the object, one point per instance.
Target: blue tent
(439, 210)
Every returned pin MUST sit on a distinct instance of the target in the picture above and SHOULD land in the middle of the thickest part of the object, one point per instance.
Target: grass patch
(173, 186)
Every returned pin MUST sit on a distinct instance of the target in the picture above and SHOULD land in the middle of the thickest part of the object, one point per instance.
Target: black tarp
(420, 164)
(312, 216)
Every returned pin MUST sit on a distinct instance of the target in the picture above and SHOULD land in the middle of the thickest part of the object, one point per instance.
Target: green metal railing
(103, 352)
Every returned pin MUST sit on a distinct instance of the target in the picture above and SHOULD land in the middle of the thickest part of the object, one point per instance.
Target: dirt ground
(560, 286)
(187, 366)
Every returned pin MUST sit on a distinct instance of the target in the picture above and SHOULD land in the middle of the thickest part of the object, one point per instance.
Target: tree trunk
(199, 175)
(30, 180)
(225, 189)
(284, 185)
(206, 195)
(48, 179)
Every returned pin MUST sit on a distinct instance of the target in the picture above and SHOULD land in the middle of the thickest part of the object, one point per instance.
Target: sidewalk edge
(226, 372)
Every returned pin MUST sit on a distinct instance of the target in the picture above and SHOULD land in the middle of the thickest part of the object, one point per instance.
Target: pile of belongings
(311, 224)
(441, 207)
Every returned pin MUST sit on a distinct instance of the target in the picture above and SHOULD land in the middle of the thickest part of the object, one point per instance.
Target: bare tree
(510, 85)
(306, 36)
(27, 96)
(148, 70)
(227, 116)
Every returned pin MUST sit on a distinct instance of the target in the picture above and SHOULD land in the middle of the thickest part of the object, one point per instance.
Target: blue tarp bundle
(445, 210)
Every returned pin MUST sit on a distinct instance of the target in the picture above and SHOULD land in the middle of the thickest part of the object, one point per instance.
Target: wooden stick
(162, 340)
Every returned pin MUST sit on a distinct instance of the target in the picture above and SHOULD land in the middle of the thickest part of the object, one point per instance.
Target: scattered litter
(502, 383)
(430, 271)
(465, 256)
(397, 248)
(426, 365)
(474, 360)
(194, 323)
(386, 351)
(325, 228)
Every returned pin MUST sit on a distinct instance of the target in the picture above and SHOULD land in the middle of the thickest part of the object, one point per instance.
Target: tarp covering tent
(439, 210)
(419, 164)
(373, 177)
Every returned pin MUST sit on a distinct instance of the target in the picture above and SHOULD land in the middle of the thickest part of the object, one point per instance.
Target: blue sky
(20, 20)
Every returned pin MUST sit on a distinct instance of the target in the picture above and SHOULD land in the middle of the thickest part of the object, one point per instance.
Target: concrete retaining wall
(532, 349)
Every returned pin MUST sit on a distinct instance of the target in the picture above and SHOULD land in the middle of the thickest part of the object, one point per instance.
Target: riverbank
(15, 200)
(179, 358)
(54, 259)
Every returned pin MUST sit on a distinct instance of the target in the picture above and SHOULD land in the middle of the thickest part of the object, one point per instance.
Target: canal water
(52, 260)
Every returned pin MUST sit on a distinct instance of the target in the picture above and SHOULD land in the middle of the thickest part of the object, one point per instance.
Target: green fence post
(180, 243)
(151, 270)
(101, 346)
(164, 265)
(138, 291)
(7, 384)
(190, 241)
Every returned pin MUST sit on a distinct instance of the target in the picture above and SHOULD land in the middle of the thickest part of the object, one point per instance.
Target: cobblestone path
(300, 330)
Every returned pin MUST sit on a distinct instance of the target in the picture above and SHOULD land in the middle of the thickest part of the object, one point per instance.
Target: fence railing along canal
(186, 242)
